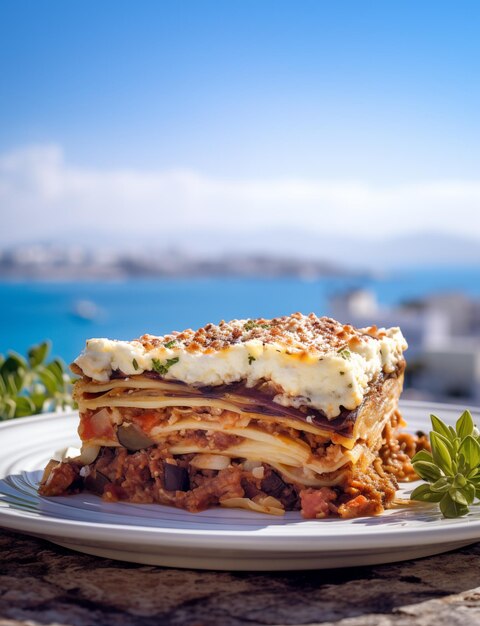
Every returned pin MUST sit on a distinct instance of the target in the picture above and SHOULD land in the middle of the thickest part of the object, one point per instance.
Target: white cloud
(43, 195)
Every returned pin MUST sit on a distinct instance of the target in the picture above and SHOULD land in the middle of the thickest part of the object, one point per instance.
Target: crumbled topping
(298, 333)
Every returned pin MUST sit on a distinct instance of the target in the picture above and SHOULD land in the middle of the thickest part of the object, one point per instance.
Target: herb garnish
(162, 368)
(344, 353)
(452, 469)
(135, 364)
(251, 359)
(170, 344)
(34, 384)
(251, 324)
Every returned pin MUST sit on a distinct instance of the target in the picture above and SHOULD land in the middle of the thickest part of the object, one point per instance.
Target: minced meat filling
(152, 475)
(398, 448)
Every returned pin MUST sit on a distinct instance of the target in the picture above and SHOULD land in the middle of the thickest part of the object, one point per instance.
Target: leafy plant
(452, 469)
(32, 385)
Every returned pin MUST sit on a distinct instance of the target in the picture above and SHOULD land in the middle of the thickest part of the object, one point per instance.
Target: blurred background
(166, 164)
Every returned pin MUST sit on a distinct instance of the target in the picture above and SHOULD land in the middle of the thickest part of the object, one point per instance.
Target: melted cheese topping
(326, 371)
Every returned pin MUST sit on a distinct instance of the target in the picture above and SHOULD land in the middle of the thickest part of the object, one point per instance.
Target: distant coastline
(54, 262)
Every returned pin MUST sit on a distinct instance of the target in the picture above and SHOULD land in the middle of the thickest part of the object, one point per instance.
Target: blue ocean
(69, 313)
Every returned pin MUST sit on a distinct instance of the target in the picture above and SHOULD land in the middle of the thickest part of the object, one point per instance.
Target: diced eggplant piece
(48, 470)
(133, 438)
(175, 478)
(96, 482)
(273, 485)
(60, 478)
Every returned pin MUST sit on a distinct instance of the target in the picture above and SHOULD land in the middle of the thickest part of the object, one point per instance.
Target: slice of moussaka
(295, 413)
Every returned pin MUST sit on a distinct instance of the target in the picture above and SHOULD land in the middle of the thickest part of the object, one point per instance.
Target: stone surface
(43, 584)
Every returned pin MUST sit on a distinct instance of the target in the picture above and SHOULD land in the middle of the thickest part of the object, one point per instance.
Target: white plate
(218, 538)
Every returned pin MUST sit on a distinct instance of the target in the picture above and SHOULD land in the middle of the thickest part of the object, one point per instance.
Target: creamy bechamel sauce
(316, 361)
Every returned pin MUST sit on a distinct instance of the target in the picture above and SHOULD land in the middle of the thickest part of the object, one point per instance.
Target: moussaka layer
(244, 414)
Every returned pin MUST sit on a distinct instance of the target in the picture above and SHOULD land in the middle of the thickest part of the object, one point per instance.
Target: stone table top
(41, 583)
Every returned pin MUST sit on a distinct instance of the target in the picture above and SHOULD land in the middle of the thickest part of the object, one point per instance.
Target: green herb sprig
(251, 324)
(163, 367)
(452, 469)
(32, 385)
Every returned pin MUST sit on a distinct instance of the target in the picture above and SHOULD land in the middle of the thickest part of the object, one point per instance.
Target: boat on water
(85, 310)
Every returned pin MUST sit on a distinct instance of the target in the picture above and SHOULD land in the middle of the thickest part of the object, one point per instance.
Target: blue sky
(381, 95)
